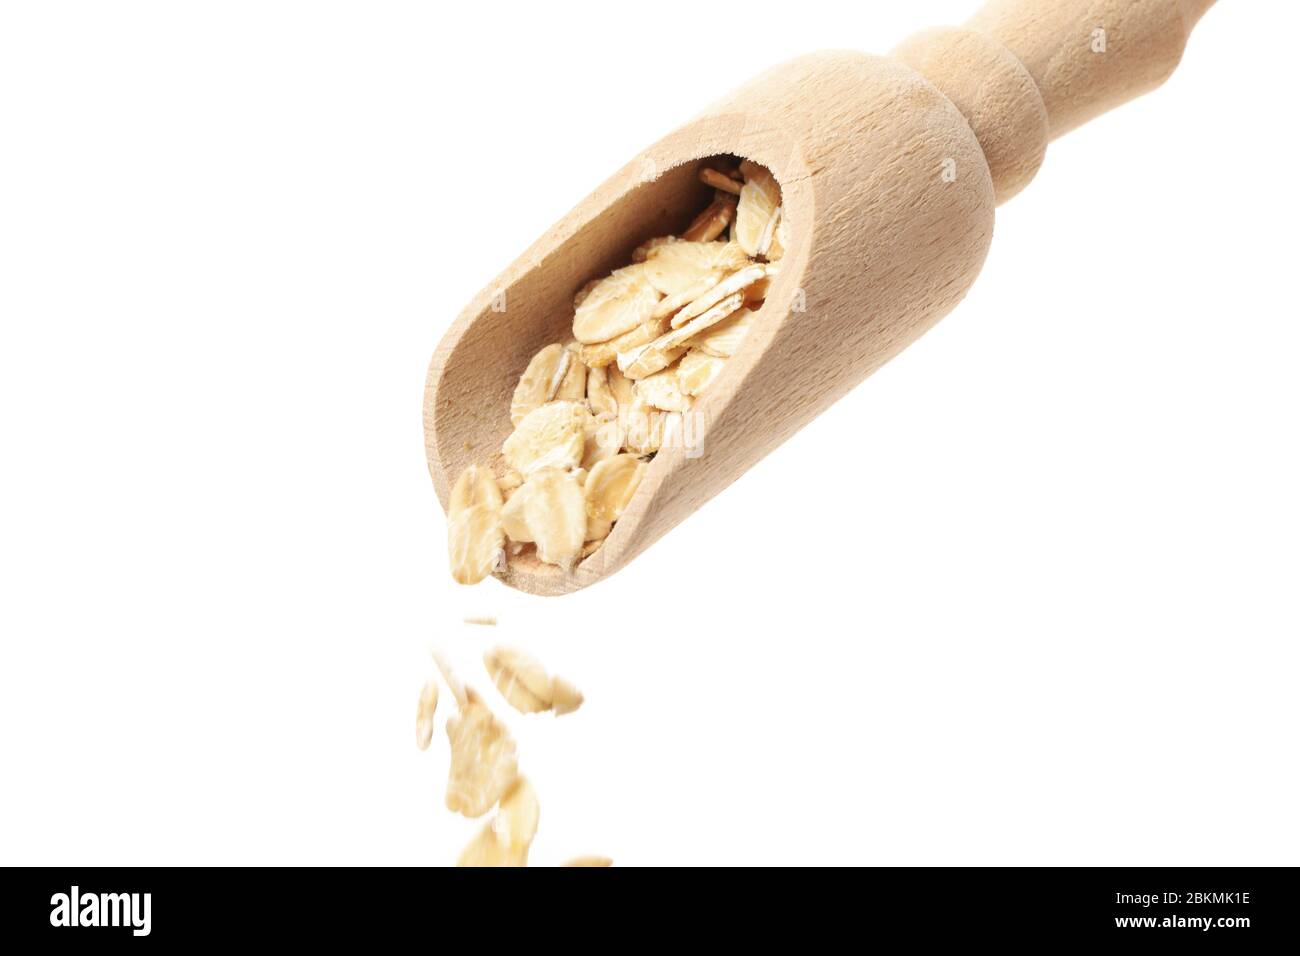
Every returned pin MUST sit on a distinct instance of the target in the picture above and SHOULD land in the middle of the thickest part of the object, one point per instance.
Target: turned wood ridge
(890, 169)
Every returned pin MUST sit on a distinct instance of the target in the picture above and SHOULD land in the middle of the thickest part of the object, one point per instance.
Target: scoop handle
(1023, 72)
(1089, 56)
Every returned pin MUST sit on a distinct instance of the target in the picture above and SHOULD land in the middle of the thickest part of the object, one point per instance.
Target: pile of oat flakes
(484, 767)
(648, 339)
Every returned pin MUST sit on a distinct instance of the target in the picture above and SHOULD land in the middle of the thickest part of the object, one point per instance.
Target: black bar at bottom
(1237, 908)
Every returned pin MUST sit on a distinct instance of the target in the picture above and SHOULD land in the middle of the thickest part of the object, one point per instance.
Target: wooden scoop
(890, 169)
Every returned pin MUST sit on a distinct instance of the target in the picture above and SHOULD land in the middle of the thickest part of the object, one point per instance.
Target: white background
(1029, 595)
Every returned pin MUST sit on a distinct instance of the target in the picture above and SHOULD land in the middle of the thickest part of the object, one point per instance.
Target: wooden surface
(890, 199)
(994, 92)
(1056, 40)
